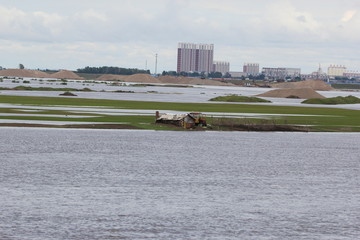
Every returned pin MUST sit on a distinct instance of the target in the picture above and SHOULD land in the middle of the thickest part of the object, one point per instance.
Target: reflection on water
(106, 184)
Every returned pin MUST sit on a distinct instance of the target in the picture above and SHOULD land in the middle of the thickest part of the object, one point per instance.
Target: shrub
(333, 101)
(236, 98)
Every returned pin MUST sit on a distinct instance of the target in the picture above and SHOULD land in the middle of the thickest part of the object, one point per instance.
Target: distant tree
(21, 66)
(111, 70)
(227, 75)
(261, 77)
(215, 75)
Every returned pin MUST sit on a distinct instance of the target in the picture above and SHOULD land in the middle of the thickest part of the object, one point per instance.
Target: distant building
(281, 73)
(193, 57)
(352, 74)
(251, 69)
(237, 74)
(220, 66)
(336, 70)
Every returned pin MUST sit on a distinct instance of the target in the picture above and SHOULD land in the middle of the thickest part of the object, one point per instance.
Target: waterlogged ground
(136, 92)
(122, 184)
(196, 93)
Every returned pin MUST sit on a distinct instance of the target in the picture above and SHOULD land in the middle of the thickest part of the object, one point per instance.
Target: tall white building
(193, 57)
(336, 70)
(221, 66)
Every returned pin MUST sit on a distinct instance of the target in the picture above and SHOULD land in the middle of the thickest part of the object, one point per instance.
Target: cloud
(348, 15)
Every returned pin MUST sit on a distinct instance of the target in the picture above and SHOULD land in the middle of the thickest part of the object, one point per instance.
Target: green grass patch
(236, 98)
(333, 101)
(345, 86)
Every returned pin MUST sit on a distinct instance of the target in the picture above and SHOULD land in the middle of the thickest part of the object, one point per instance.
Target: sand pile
(23, 73)
(303, 93)
(142, 78)
(317, 85)
(192, 81)
(139, 78)
(65, 74)
(110, 77)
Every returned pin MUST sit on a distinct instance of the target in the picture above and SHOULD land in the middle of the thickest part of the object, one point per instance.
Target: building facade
(336, 70)
(251, 68)
(193, 57)
(282, 73)
(221, 66)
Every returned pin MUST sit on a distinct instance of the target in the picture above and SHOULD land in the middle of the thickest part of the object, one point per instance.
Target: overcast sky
(71, 34)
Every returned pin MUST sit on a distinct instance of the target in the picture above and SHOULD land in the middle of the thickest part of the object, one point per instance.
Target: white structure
(237, 74)
(336, 70)
(251, 68)
(282, 73)
(220, 66)
(193, 57)
(352, 74)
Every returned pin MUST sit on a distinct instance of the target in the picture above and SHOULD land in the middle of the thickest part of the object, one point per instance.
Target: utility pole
(156, 57)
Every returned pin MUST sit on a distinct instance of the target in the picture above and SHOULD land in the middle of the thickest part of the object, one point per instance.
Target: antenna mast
(156, 57)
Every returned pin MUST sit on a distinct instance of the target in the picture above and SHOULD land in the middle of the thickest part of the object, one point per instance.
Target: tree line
(111, 70)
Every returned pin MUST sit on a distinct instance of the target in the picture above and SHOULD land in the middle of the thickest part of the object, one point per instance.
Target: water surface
(126, 184)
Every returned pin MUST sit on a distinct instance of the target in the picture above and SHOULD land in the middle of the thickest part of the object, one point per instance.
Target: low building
(237, 74)
(281, 73)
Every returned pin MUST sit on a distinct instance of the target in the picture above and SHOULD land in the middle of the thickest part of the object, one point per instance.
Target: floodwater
(195, 94)
(126, 184)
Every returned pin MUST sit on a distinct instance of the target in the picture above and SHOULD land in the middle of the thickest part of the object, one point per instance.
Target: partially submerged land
(220, 116)
(313, 118)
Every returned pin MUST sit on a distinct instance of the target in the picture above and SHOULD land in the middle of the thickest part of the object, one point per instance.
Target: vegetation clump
(293, 96)
(345, 86)
(236, 98)
(68, 94)
(333, 101)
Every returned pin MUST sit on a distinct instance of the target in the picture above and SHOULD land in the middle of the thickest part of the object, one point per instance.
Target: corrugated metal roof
(172, 117)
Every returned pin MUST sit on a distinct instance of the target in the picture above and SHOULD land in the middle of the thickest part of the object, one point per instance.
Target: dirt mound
(142, 78)
(23, 73)
(192, 81)
(65, 74)
(303, 93)
(110, 77)
(317, 85)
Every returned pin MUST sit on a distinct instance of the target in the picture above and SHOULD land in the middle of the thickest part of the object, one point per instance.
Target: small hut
(189, 120)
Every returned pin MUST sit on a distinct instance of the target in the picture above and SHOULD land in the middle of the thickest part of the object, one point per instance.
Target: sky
(49, 34)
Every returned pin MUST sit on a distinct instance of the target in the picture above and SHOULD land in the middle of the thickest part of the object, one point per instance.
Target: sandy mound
(192, 81)
(142, 78)
(318, 85)
(65, 74)
(303, 93)
(23, 73)
(110, 77)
